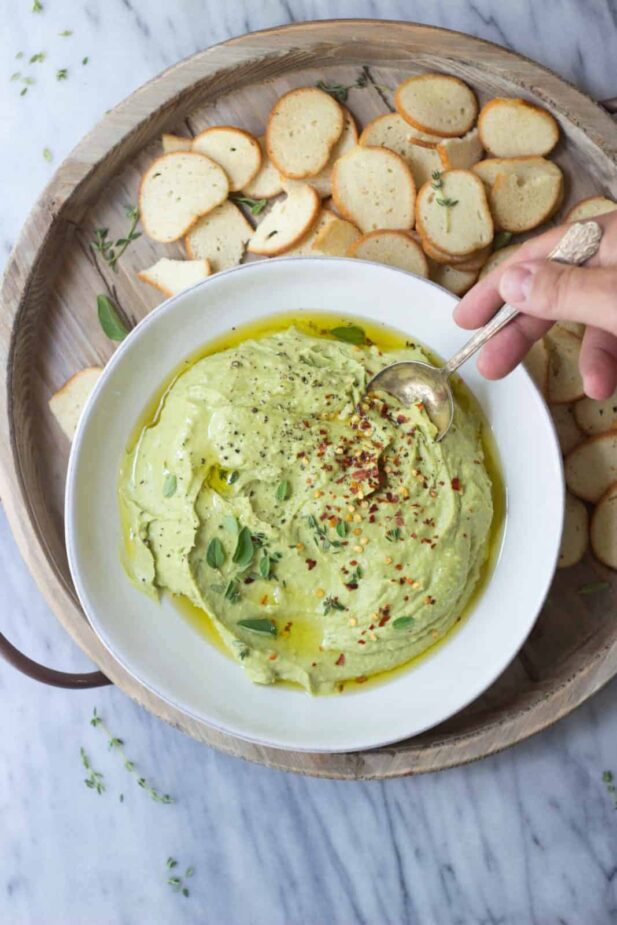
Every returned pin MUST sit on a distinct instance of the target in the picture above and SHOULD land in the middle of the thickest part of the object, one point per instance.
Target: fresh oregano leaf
(109, 319)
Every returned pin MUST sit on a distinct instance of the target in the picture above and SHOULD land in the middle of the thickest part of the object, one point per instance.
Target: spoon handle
(580, 242)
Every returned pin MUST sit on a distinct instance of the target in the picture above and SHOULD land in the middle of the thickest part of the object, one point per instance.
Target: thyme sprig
(94, 780)
(111, 251)
(117, 745)
(176, 882)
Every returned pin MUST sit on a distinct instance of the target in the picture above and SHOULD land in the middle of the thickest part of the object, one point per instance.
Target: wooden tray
(49, 330)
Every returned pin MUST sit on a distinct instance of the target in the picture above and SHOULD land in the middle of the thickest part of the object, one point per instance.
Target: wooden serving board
(49, 329)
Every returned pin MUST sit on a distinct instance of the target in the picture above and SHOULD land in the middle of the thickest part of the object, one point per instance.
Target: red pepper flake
(456, 484)
(401, 419)
(361, 679)
(420, 405)
(273, 657)
(373, 508)
(361, 642)
(352, 586)
(341, 659)
(384, 619)
(371, 519)
(311, 563)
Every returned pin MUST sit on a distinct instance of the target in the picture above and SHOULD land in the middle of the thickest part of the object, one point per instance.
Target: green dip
(327, 534)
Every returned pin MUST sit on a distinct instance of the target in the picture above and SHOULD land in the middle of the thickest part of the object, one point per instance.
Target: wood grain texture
(48, 329)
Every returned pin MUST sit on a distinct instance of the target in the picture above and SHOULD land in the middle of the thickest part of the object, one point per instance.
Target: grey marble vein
(529, 836)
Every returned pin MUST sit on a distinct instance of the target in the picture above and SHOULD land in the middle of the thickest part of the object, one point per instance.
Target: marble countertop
(528, 836)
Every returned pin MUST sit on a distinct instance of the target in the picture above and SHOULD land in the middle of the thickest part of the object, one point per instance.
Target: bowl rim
(152, 318)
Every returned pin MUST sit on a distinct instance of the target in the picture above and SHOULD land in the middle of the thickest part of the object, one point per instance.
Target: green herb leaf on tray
(215, 554)
(350, 333)
(62, 73)
(402, 623)
(262, 626)
(501, 239)
(47, 154)
(255, 206)
(338, 91)
(85, 60)
(282, 490)
(245, 548)
(594, 587)
(37, 6)
(109, 319)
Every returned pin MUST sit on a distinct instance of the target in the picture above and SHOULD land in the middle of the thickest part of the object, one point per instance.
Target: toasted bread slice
(394, 248)
(335, 238)
(439, 256)
(220, 237)
(565, 384)
(392, 132)
(455, 217)
(591, 467)
(575, 536)
(492, 167)
(236, 150)
(460, 153)
(304, 247)
(287, 222)
(172, 276)
(176, 190)
(437, 103)
(267, 181)
(590, 208)
(536, 363)
(596, 417)
(604, 528)
(303, 127)
(497, 258)
(373, 188)
(175, 143)
(68, 402)
(520, 202)
(322, 182)
(569, 433)
(515, 128)
(452, 278)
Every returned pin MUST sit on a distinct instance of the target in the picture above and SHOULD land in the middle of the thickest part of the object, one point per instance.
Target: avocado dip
(325, 532)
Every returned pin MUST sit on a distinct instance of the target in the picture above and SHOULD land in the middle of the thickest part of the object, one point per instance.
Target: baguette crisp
(575, 537)
(219, 237)
(604, 528)
(515, 127)
(303, 127)
(437, 103)
(236, 150)
(590, 208)
(322, 182)
(68, 402)
(267, 181)
(394, 248)
(287, 222)
(176, 190)
(172, 276)
(591, 467)
(392, 132)
(455, 217)
(373, 188)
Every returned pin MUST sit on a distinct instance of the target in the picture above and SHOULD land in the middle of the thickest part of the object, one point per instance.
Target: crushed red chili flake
(273, 657)
(373, 508)
(341, 659)
(401, 419)
(371, 519)
(456, 484)
(361, 679)
(352, 585)
(311, 563)
(361, 642)
(384, 619)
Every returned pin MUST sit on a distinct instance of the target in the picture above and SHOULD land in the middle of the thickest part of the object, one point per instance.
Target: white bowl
(163, 651)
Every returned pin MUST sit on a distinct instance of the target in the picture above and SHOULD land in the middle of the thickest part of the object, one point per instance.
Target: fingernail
(515, 285)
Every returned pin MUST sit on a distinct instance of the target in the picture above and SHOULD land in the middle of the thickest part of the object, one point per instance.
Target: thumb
(558, 292)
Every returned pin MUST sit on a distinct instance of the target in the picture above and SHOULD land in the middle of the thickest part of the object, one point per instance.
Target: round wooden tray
(49, 330)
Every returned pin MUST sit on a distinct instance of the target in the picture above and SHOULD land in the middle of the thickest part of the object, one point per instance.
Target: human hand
(546, 292)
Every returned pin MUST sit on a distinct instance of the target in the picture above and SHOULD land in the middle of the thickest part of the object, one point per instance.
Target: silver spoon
(411, 382)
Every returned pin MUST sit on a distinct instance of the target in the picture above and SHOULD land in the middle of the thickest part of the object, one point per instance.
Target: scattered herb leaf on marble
(47, 154)
(62, 73)
(109, 319)
(117, 745)
(65, 34)
(37, 6)
(94, 780)
(611, 789)
(176, 882)
(39, 56)
(85, 60)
